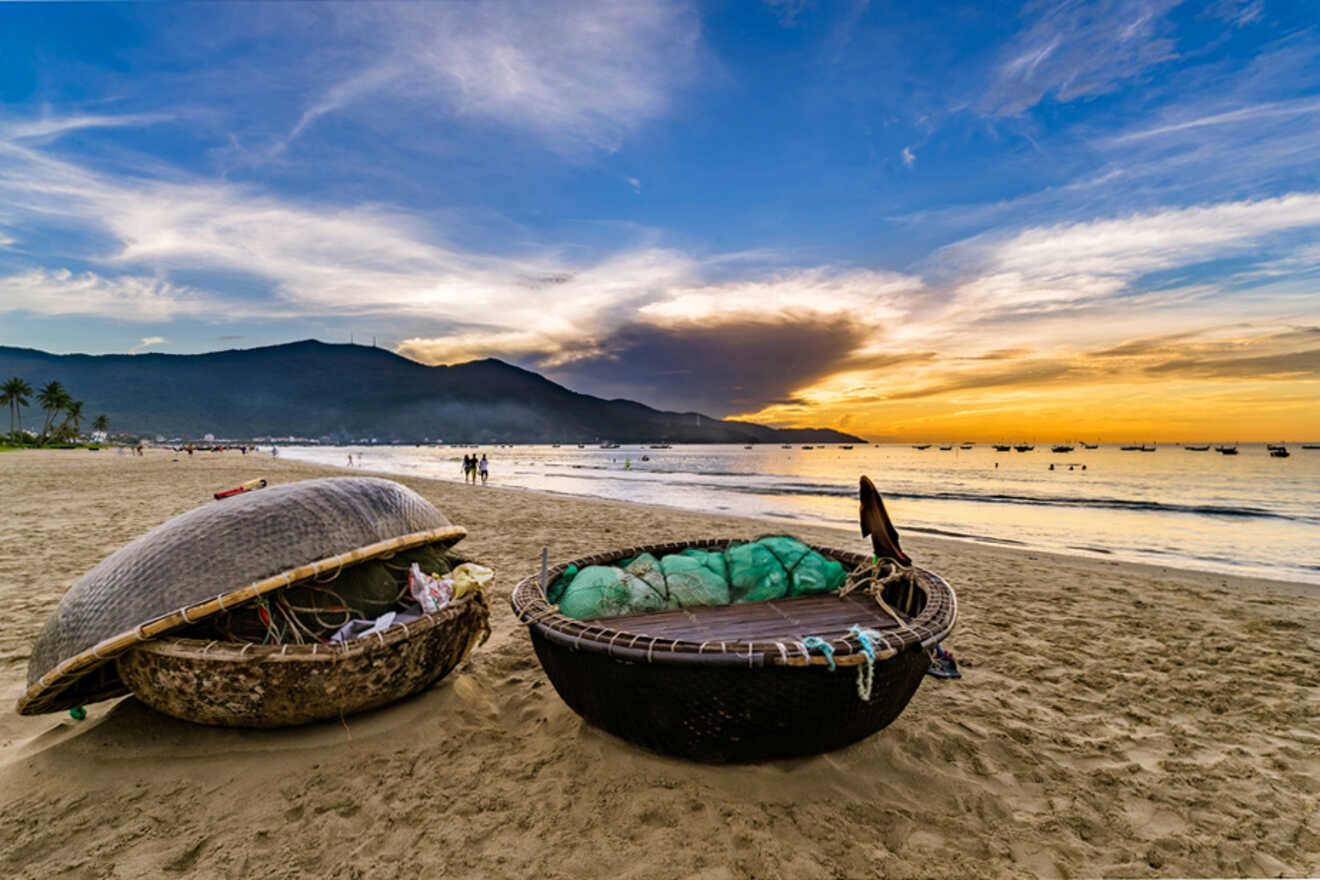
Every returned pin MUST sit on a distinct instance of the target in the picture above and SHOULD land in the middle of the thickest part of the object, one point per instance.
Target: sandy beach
(1113, 720)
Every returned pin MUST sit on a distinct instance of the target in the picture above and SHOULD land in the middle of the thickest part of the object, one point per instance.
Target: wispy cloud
(128, 298)
(1275, 109)
(51, 127)
(579, 74)
(1044, 266)
(787, 11)
(909, 157)
(147, 342)
(1070, 50)
(1239, 13)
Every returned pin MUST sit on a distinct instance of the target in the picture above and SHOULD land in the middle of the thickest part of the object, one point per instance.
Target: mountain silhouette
(345, 393)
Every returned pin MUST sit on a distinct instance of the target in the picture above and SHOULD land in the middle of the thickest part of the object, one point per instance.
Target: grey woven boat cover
(224, 546)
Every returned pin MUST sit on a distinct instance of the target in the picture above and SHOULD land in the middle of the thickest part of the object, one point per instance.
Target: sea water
(1248, 514)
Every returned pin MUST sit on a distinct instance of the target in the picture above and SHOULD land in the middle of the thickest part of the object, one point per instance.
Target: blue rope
(816, 643)
(866, 675)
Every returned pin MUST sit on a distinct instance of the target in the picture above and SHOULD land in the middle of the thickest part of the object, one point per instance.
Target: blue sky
(802, 211)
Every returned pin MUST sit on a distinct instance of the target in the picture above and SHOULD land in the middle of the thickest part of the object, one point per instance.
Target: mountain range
(346, 393)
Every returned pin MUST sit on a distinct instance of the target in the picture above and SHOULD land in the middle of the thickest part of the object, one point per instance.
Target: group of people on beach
(472, 467)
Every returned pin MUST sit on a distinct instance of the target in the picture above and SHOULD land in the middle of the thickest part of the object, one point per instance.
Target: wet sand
(1113, 720)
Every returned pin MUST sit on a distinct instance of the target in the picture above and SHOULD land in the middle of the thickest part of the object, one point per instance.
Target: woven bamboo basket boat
(250, 685)
(738, 682)
(124, 626)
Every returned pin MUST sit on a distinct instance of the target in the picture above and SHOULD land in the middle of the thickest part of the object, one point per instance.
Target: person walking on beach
(467, 467)
(485, 470)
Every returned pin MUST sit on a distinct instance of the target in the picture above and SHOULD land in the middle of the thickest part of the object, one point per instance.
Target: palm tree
(73, 408)
(52, 398)
(14, 394)
(101, 424)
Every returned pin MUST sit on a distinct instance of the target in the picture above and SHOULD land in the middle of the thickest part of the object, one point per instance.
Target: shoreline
(1114, 719)
(1228, 580)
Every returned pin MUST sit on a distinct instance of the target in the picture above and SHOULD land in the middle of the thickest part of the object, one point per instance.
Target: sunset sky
(908, 221)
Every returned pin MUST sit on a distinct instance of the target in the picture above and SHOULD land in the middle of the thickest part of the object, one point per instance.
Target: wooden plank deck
(790, 619)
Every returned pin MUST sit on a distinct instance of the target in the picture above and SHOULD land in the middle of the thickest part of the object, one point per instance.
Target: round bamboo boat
(126, 623)
(738, 682)
(249, 685)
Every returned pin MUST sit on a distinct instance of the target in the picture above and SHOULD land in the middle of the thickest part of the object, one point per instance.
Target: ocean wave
(757, 484)
(832, 491)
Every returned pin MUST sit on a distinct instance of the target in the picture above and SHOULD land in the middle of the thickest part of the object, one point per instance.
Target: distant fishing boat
(787, 446)
(1024, 447)
(1061, 449)
(966, 446)
(1002, 447)
(1090, 445)
(747, 447)
(1279, 452)
(1197, 448)
(1311, 445)
(1227, 450)
(945, 448)
(1142, 448)
(609, 445)
(845, 447)
(922, 446)
(661, 446)
(808, 447)
(1273, 446)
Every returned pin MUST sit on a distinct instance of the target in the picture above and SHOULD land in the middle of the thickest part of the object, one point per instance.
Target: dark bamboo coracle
(750, 681)
(737, 682)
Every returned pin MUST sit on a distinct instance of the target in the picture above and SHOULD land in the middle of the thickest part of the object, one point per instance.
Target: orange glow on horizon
(1191, 411)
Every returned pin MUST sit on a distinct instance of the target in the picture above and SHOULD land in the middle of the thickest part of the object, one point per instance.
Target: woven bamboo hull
(276, 686)
(737, 682)
(728, 713)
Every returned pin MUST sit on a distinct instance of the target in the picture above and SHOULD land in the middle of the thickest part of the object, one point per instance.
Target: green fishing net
(691, 583)
(606, 591)
(646, 568)
(313, 610)
(768, 568)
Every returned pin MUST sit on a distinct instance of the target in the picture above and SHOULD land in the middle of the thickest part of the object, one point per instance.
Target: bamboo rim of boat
(933, 623)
